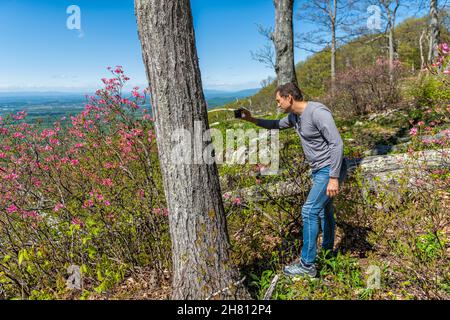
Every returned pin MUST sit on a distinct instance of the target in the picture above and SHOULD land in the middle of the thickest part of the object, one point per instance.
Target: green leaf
(22, 256)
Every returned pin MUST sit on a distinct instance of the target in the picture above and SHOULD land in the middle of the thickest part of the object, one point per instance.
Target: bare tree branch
(265, 55)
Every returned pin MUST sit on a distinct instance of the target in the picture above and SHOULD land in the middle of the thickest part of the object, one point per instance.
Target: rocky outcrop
(386, 170)
(404, 142)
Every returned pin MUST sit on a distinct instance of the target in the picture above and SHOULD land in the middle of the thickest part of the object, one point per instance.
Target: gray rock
(385, 171)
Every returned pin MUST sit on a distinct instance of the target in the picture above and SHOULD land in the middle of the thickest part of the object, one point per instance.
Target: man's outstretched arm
(267, 124)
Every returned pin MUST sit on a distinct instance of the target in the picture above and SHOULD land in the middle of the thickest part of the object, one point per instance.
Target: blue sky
(39, 53)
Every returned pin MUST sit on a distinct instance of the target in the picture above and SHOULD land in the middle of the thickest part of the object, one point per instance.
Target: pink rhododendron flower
(58, 207)
(47, 133)
(19, 115)
(31, 214)
(413, 131)
(444, 48)
(107, 182)
(88, 203)
(11, 176)
(12, 208)
(18, 135)
(77, 222)
(419, 182)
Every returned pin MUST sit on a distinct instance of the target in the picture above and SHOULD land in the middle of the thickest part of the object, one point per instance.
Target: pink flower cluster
(164, 212)
(58, 207)
(444, 48)
(444, 53)
(413, 131)
(85, 152)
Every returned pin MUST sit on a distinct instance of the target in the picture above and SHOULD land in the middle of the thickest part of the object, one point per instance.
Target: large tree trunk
(200, 245)
(434, 30)
(284, 42)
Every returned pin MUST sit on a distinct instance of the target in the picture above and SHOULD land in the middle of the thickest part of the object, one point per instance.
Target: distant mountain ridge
(227, 94)
(53, 101)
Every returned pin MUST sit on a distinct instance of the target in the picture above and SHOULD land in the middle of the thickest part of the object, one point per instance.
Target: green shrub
(429, 90)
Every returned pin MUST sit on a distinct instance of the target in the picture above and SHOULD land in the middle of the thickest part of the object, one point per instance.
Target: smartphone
(238, 113)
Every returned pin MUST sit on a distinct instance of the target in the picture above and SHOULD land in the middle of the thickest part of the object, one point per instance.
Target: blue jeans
(318, 210)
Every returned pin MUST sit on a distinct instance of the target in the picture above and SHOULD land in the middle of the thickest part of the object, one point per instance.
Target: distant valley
(50, 106)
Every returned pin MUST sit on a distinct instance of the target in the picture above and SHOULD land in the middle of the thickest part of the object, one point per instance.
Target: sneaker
(300, 269)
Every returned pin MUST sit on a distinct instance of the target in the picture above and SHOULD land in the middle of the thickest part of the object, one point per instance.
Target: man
(323, 149)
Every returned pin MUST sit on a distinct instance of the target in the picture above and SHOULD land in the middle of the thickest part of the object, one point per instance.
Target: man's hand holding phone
(244, 114)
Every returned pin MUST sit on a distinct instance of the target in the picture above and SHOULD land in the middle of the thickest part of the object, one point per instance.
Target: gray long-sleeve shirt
(321, 141)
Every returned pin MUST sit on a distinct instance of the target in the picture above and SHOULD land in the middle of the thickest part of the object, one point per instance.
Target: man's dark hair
(290, 89)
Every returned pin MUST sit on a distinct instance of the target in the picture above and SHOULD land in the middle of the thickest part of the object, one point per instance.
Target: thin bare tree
(389, 10)
(329, 18)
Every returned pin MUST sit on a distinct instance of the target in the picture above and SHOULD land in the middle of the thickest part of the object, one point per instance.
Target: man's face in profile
(284, 104)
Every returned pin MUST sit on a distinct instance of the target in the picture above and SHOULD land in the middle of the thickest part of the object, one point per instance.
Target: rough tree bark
(284, 42)
(434, 30)
(200, 245)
